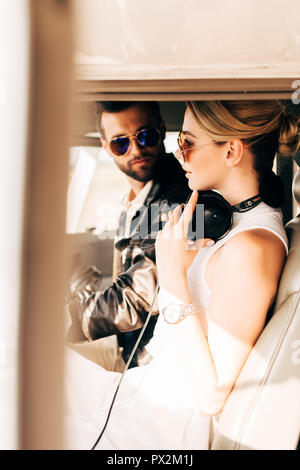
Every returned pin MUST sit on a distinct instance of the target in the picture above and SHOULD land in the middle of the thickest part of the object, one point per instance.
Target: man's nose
(136, 148)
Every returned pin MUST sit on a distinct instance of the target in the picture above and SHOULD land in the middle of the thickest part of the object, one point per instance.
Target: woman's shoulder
(257, 250)
(247, 272)
(262, 226)
(253, 240)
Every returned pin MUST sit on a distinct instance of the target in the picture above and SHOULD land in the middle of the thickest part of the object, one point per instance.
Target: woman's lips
(188, 174)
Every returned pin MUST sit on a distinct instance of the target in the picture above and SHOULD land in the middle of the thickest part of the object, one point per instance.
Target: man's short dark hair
(117, 106)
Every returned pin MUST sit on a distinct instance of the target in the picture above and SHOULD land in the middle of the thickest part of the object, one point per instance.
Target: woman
(227, 287)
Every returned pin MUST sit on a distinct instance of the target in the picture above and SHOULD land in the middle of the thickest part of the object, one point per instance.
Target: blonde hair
(263, 125)
(248, 120)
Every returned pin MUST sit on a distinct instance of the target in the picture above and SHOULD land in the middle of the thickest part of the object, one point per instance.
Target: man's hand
(85, 281)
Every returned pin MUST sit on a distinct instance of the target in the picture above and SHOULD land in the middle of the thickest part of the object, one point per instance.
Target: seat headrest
(296, 187)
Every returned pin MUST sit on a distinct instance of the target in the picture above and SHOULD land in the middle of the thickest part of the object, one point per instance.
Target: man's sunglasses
(185, 147)
(146, 138)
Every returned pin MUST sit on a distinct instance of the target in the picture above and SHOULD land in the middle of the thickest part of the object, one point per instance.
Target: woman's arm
(243, 287)
(245, 282)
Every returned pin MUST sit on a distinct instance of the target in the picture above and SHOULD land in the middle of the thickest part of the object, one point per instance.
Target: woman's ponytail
(271, 188)
(289, 136)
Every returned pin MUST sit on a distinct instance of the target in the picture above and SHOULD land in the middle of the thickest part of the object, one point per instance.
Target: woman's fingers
(177, 224)
(175, 214)
(172, 216)
(164, 217)
(188, 212)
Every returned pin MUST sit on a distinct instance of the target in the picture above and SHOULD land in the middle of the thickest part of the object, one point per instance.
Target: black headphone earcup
(212, 217)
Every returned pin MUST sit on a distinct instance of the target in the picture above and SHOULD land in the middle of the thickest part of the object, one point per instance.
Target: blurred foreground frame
(44, 255)
(44, 247)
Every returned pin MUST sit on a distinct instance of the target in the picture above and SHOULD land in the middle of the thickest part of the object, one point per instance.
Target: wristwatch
(174, 313)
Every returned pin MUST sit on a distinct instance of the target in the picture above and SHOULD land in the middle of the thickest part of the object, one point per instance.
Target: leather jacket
(122, 308)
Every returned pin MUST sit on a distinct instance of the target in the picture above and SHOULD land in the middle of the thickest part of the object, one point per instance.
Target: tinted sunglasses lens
(181, 141)
(148, 137)
(120, 146)
(181, 145)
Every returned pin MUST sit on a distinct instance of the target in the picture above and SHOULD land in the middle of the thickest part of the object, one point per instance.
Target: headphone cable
(126, 367)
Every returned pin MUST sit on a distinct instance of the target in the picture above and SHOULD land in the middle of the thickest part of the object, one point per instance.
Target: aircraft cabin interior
(61, 191)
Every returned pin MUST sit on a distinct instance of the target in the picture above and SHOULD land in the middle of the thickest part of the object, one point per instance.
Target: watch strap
(188, 309)
(184, 310)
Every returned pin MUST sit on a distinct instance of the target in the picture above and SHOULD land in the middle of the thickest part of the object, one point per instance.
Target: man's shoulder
(176, 192)
(170, 181)
(168, 167)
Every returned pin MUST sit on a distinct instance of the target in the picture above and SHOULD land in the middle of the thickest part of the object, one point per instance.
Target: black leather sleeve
(121, 307)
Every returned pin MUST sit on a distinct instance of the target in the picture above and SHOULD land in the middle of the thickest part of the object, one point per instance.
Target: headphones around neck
(213, 215)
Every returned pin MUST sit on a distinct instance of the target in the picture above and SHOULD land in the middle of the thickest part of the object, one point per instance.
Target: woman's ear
(235, 151)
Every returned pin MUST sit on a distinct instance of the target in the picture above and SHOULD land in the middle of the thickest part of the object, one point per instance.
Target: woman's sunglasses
(146, 138)
(186, 147)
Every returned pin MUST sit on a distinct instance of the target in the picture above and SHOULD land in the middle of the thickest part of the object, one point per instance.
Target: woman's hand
(174, 253)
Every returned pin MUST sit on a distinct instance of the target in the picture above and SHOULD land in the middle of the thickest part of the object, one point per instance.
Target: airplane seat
(263, 409)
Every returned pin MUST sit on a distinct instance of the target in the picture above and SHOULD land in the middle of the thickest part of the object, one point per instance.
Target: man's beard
(141, 174)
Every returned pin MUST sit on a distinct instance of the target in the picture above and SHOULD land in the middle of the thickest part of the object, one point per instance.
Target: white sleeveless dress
(154, 408)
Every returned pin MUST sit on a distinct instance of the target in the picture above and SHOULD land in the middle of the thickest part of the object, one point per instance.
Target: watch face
(171, 313)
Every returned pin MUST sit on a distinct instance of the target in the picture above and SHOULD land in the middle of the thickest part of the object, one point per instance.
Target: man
(133, 134)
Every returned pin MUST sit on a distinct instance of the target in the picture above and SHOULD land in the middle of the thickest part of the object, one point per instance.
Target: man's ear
(104, 144)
